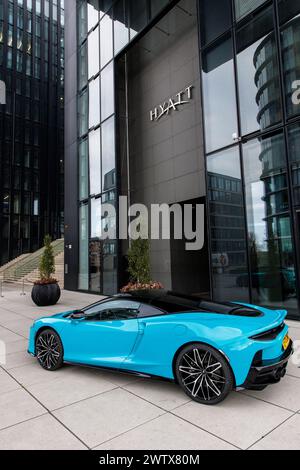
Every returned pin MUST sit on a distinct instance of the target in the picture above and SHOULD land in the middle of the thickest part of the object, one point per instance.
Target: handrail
(31, 263)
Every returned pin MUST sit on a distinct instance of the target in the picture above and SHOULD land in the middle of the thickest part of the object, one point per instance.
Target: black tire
(49, 350)
(204, 374)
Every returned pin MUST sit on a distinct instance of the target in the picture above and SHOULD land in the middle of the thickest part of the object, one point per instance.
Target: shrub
(47, 262)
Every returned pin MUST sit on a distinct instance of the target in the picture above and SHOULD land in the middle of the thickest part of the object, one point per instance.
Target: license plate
(286, 342)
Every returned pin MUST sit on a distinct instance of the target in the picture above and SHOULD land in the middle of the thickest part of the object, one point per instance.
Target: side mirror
(78, 315)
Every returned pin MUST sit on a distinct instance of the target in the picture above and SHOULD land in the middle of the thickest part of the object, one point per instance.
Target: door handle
(142, 327)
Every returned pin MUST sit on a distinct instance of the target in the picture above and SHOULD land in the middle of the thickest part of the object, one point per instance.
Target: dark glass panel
(215, 18)
(156, 6)
(294, 157)
(228, 238)
(288, 9)
(244, 7)
(138, 16)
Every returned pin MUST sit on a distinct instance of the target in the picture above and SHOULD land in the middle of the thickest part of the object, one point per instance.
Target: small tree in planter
(46, 290)
(138, 257)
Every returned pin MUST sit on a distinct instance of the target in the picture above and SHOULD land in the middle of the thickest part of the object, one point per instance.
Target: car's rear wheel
(49, 350)
(204, 374)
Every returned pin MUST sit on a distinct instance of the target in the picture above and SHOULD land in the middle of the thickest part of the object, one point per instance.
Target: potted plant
(46, 290)
(138, 257)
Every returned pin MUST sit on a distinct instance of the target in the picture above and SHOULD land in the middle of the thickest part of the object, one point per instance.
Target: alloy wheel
(48, 350)
(202, 375)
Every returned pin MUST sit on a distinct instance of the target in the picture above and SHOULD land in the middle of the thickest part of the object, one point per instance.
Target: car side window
(149, 311)
(113, 310)
(119, 314)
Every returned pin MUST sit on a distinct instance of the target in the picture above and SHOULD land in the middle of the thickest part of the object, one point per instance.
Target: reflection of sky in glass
(108, 148)
(121, 35)
(96, 221)
(255, 204)
(93, 16)
(255, 190)
(95, 162)
(107, 92)
(225, 163)
(94, 103)
(93, 53)
(220, 107)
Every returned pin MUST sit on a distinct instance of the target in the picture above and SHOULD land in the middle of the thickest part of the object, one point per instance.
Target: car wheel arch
(200, 343)
(44, 328)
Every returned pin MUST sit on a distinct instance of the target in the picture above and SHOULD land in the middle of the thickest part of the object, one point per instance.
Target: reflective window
(83, 113)
(138, 16)
(82, 67)
(290, 39)
(273, 276)
(83, 170)
(95, 162)
(107, 91)
(258, 74)
(96, 221)
(92, 13)
(94, 103)
(93, 53)
(95, 265)
(108, 154)
(121, 33)
(287, 9)
(106, 40)
(244, 7)
(228, 238)
(83, 278)
(156, 6)
(294, 157)
(215, 19)
(218, 75)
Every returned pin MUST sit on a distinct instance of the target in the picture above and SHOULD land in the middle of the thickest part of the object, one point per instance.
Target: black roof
(172, 302)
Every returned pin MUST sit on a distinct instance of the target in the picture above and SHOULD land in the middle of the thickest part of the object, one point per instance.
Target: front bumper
(268, 372)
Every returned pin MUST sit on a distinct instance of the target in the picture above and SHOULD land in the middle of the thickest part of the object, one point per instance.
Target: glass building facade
(242, 136)
(31, 124)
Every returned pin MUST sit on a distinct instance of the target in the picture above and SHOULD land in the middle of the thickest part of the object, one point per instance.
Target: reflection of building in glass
(275, 257)
(291, 63)
(31, 125)
(227, 221)
(266, 81)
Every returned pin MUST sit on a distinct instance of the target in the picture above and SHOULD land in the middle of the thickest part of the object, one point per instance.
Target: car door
(105, 337)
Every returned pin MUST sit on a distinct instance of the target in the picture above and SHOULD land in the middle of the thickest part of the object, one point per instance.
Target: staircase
(26, 267)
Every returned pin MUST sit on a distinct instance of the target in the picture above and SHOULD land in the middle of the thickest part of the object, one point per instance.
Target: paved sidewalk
(80, 408)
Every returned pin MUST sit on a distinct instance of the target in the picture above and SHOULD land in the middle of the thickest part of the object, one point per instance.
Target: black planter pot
(45, 295)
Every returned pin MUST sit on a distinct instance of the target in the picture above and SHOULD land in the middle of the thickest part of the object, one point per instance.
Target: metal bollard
(23, 289)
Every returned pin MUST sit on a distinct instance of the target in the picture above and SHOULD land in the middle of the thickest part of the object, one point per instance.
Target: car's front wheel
(49, 350)
(204, 374)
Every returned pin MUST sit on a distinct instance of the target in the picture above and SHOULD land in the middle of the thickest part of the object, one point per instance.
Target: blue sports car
(208, 348)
